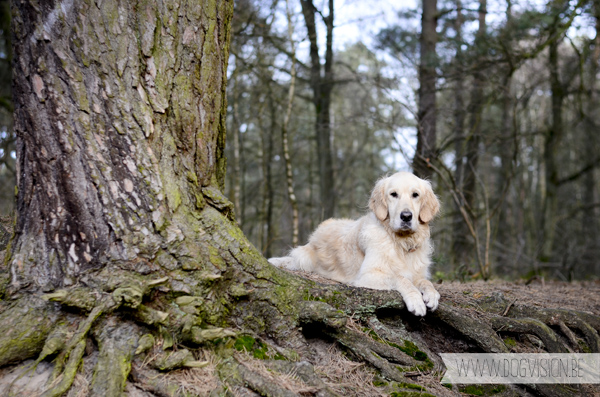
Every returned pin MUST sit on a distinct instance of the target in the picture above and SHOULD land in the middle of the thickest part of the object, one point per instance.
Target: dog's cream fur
(381, 250)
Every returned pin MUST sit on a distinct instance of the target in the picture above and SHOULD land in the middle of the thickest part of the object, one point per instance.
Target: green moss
(411, 349)
(409, 394)
(378, 382)
(307, 296)
(510, 342)
(474, 390)
(583, 346)
(411, 386)
(258, 349)
(482, 390)
(244, 342)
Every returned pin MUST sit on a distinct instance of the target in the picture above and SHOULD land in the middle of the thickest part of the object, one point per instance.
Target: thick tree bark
(120, 124)
(426, 129)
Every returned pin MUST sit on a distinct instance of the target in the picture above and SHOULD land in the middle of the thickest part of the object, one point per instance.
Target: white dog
(389, 248)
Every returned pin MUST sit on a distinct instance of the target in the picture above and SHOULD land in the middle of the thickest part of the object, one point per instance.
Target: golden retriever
(389, 248)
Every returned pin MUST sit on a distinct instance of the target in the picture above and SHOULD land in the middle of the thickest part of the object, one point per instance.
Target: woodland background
(494, 101)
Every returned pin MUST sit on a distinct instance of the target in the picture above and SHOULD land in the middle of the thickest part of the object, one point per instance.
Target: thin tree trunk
(508, 151)
(267, 182)
(590, 220)
(322, 85)
(284, 130)
(460, 227)
(462, 247)
(237, 171)
(551, 143)
(475, 113)
(426, 129)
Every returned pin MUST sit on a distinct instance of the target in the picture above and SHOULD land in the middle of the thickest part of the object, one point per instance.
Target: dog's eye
(415, 194)
(394, 194)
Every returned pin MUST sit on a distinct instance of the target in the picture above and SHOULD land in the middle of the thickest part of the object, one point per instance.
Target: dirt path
(580, 295)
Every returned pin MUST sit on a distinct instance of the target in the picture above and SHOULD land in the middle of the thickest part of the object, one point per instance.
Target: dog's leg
(430, 296)
(379, 280)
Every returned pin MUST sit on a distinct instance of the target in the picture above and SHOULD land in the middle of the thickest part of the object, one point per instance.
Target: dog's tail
(301, 258)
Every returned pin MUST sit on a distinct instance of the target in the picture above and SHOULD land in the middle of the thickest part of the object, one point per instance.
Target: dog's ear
(431, 204)
(378, 202)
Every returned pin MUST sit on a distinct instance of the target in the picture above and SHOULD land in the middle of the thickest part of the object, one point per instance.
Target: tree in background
(362, 113)
(426, 117)
(322, 83)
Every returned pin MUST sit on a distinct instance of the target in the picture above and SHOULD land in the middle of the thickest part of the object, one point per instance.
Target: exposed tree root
(401, 336)
(24, 326)
(478, 331)
(65, 380)
(152, 381)
(532, 327)
(565, 320)
(364, 350)
(129, 324)
(256, 381)
(117, 341)
(305, 371)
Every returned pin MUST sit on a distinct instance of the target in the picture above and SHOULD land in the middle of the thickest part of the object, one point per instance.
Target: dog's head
(404, 201)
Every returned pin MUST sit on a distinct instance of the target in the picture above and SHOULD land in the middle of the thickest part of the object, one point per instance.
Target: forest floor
(332, 364)
(575, 295)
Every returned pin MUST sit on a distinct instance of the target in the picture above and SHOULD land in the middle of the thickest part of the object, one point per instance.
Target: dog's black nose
(406, 216)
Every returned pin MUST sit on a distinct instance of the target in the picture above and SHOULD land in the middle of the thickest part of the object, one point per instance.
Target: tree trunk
(126, 260)
(551, 144)
(120, 125)
(460, 227)
(322, 85)
(508, 153)
(426, 129)
(289, 176)
(463, 248)
(475, 113)
(590, 220)
(268, 194)
(237, 170)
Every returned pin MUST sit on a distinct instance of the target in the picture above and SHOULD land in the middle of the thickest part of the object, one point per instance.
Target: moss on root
(24, 327)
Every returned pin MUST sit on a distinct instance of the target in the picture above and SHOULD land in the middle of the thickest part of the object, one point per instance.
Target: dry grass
(345, 377)
(577, 295)
(196, 381)
(289, 381)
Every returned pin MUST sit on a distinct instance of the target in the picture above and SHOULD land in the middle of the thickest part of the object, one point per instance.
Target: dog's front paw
(431, 298)
(415, 305)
